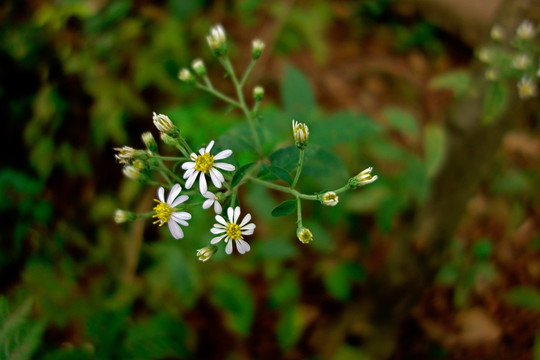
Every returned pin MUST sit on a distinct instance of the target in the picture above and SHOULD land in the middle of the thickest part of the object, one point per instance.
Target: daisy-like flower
(304, 235)
(125, 154)
(526, 30)
(203, 164)
(230, 230)
(211, 198)
(330, 198)
(166, 211)
(526, 87)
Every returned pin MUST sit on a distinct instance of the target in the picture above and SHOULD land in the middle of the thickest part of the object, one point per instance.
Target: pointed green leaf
(494, 102)
(240, 173)
(281, 173)
(285, 208)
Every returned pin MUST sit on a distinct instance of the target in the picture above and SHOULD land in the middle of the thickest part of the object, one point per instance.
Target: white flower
(198, 67)
(521, 61)
(165, 211)
(204, 164)
(497, 33)
(330, 198)
(206, 253)
(485, 55)
(230, 230)
(526, 87)
(301, 134)
(212, 199)
(125, 154)
(163, 123)
(491, 74)
(257, 47)
(526, 30)
(122, 216)
(217, 39)
(131, 172)
(304, 235)
(185, 75)
(365, 177)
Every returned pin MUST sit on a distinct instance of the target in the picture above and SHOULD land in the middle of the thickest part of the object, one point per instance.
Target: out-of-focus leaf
(234, 296)
(289, 326)
(240, 173)
(511, 183)
(296, 95)
(482, 249)
(366, 199)
(343, 127)
(448, 274)
(284, 291)
(274, 248)
(286, 158)
(42, 156)
(340, 279)
(524, 296)
(434, 148)
(325, 167)
(402, 121)
(388, 208)
(322, 239)
(458, 81)
(495, 101)
(285, 208)
(347, 352)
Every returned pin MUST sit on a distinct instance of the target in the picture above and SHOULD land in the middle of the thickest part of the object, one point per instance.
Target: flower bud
(206, 252)
(491, 74)
(149, 141)
(301, 134)
(217, 40)
(125, 154)
(485, 55)
(131, 172)
(304, 235)
(362, 179)
(526, 87)
(257, 47)
(330, 198)
(122, 216)
(198, 67)
(163, 123)
(169, 140)
(186, 76)
(526, 30)
(258, 93)
(497, 33)
(521, 62)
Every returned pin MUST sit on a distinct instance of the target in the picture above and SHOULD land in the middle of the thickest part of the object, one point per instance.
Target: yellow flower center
(329, 197)
(163, 212)
(204, 162)
(233, 231)
(305, 236)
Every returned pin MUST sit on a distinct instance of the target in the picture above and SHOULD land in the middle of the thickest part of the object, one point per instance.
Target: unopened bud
(304, 235)
(206, 252)
(258, 93)
(163, 123)
(125, 154)
(122, 216)
(131, 172)
(301, 134)
(362, 179)
(257, 47)
(521, 61)
(198, 67)
(186, 76)
(526, 87)
(149, 141)
(217, 40)
(526, 30)
(330, 198)
(497, 33)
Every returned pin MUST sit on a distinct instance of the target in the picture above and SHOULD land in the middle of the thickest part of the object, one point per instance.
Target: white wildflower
(165, 211)
(163, 123)
(212, 199)
(230, 230)
(304, 235)
(526, 30)
(526, 87)
(330, 198)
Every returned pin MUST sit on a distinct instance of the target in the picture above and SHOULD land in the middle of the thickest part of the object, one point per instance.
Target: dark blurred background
(451, 227)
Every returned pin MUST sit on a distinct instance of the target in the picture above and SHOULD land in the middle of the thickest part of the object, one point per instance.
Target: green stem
(228, 66)
(248, 71)
(292, 191)
(208, 82)
(298, 168)
(170, 158)
(218, 94)
(299, 212)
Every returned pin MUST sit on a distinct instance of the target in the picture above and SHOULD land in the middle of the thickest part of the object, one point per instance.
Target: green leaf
(524, 296)
(233, 295)
(275, 248)
(281, 173)
(434, 148)
(340, 279)
(343, 127)
(494, 102)
(240, 173)
(296, 95)
(482, 249)
(284, 290)
(289, 326)
(286, 158)
(14, 321)
(325, 167)
(448, 274)
(402, 121)
(285, 208)
(458, 81)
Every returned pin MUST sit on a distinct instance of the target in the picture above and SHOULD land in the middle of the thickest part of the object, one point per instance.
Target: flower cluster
(217, 189)
(520, 63)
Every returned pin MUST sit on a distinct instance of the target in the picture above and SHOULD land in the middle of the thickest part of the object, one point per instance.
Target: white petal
(221, 220)
(191, 180)
(202, 183)
(243, 245)
(218, 174)
(230, 214)
(217, 239)
(223, 154)
(220, 226)
(188, 173)
(188, 165)
(201, 151)
(224, 166)
(217, 207)
(236, 214)
(209, 195)
(179, 200)
(247, 232)
(182, 222)
(245, 220)
(209, 147)
(182, 215)
(215, 179)
(175, 229)
(207, 203)
(174, 193)
(228, 249)
(217, 231)
(161, 194)
(248, 227)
